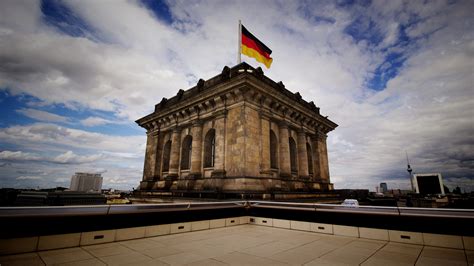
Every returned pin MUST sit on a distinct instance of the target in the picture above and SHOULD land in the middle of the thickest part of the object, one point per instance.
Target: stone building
(236, 133)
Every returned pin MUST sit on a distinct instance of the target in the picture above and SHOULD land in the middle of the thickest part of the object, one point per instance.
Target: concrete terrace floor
(246, 245)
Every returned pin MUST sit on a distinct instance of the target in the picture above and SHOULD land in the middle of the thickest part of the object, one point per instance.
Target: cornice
(241, 83)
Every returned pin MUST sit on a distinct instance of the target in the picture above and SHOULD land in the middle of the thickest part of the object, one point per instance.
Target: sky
(396, 76)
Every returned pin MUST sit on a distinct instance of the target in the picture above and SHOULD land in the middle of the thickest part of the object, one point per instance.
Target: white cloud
(70, 158)
(52, 136)
(29, 177)
(42, 115)
(18, 156)
(97, 121)
(66, 158)
(425, 109)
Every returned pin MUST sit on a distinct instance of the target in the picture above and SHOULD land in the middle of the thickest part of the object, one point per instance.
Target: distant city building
(86, 182)
(428, 183)
(58, 198)
(383, 187)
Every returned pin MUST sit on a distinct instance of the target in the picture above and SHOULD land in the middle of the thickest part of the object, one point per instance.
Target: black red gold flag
(253, 47)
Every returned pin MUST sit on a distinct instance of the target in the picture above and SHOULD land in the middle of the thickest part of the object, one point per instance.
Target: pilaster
(323, 157)
(219, 126)
(174, 158)
(316, 160)
(196, 152)
(150, 156)
(265, 144)
(285, 167)
(302, 155)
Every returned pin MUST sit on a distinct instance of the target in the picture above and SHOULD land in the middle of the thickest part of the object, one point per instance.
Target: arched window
(293, 154)
(310, 158)
(166, 156)
(210, 148)
(273, 150)
(186, 152)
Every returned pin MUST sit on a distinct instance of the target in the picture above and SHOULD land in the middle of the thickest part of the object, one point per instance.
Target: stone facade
(239, 133)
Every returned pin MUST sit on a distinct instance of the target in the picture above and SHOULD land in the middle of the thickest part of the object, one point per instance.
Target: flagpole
(239, 44)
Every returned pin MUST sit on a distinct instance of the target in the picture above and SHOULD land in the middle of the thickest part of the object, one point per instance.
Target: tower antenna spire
(409, 170)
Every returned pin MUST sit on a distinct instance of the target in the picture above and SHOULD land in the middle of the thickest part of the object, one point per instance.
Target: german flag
(253, 47)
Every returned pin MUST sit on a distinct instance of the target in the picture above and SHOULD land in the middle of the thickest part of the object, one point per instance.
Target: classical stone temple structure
(236, 133)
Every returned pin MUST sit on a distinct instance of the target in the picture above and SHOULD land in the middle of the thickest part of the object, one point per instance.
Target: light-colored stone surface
(354, 253)
(87, 262)
(373, 233)
(243, 150)
(405, 237)
(322, 228)
(281, 223)
(180, 228)
(132, 258)
(59, 241)
(343, 230)
(66, 255)
(445, 241)
(232, 221)
(246, 245)
(157, 230)
(138, 244)
(216, 223)
(182, 258)
(109, 249)
(22, 259)
(470, 257)
(263, 221)
(18, 245)
(395, 254)
(441, 256)
(239, 258)
(244, 219)
(200, 225)
(468, 242)
(302, 226)
(97, 237)
(130, 233)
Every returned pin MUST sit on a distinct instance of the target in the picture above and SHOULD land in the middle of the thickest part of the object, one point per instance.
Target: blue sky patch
(160, 9)
(364, 28)
(13, 107)
(59, 16)
(386, 71)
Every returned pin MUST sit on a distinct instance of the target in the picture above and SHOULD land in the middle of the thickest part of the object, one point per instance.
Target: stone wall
(242, 110)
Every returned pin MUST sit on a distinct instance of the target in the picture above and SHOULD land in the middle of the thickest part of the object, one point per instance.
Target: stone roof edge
(201, 86)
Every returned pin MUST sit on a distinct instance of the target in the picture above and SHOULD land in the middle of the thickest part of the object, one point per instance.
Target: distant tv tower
(409, 170)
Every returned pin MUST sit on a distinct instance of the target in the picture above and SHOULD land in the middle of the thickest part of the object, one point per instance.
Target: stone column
(219, 126)
(302, 155)
(265, 145)
(159, 156)
(315, 150)
(150, 156)
(285, 167)
(323, 158)
(196, 152)
(174, 158)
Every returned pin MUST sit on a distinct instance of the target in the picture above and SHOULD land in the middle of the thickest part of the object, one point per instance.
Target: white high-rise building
(86, 182)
